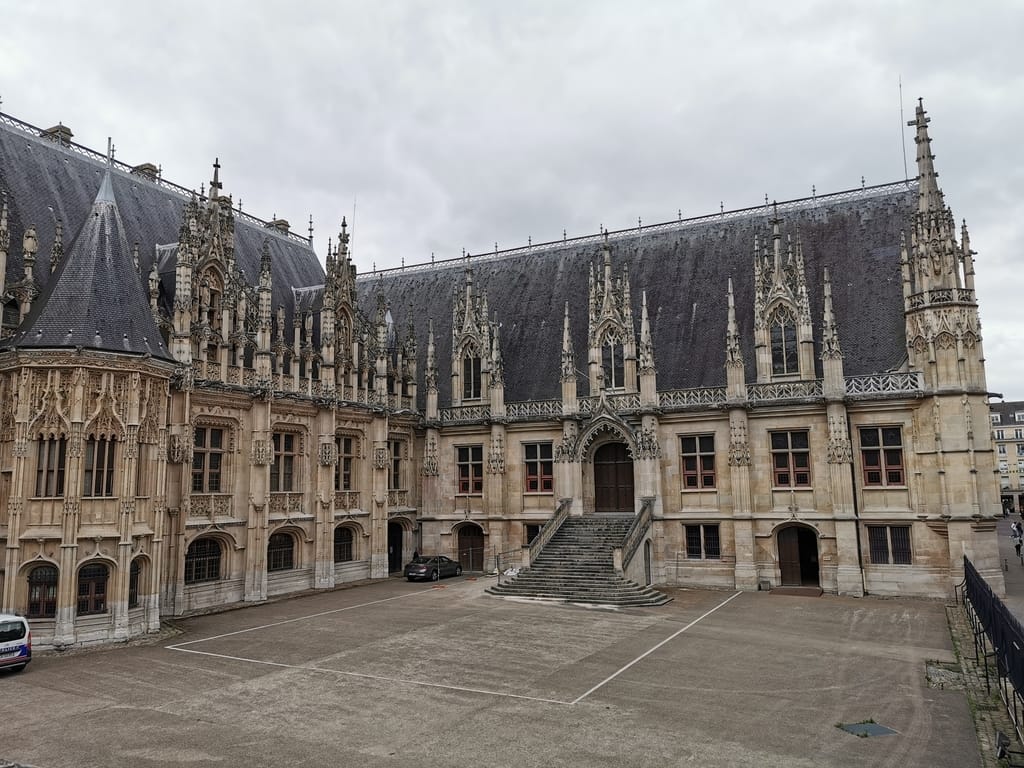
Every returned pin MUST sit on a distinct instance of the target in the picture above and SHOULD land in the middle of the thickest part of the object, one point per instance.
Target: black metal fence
(998, 643)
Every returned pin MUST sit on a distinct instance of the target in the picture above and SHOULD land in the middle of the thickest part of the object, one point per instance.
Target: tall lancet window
(471, 375)
(784, 347)
(611, 362)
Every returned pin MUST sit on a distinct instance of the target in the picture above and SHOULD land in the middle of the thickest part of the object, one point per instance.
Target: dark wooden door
(789, 556)
(613, 480)
(471, 548)
(394, 547)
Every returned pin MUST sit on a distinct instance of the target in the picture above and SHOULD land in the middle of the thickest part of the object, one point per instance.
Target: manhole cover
(866, 729)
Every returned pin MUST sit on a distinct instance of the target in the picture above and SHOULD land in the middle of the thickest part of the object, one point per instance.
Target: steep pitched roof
(684, 267)
(47, 181)
(94, 299)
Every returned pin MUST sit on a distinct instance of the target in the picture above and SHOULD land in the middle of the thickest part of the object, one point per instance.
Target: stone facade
(208, 417)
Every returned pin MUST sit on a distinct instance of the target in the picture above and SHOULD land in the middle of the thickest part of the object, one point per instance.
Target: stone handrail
(550, 528)
(623, 555)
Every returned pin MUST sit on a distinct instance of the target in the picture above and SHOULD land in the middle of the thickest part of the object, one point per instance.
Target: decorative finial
(215, 185)
(311, 229)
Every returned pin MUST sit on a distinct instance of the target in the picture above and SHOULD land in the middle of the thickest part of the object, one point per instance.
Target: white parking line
(180, 647)
(642, 656)
(364, 676)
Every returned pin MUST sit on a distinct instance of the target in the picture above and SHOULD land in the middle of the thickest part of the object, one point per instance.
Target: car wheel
(434, 575)
(458, 571)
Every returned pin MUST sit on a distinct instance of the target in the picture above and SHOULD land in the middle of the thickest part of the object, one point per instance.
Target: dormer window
(612, 363)
(471, 389)
(784, 347)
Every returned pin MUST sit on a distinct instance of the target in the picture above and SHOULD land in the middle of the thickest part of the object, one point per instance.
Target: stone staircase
(576, 567)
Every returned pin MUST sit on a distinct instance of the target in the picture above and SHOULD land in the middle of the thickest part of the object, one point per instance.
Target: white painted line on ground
(343, 673)
(178, 646)
(652, 650)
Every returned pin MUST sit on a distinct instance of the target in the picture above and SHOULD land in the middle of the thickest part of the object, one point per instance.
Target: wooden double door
(613, 480)
(798, 557)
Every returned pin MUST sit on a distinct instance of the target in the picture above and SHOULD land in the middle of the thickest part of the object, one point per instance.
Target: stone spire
(934, 254)
(834, 383)
(568, 357)
(929, 195)
(5, 243)
(646, 350)
(57, 249)
(735, 369)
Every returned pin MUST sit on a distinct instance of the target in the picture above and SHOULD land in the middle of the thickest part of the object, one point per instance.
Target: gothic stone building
(195, 414)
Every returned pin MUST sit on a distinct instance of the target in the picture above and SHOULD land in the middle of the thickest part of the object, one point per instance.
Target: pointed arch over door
(613, 480)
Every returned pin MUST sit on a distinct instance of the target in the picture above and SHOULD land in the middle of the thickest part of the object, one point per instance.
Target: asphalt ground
(393, 673)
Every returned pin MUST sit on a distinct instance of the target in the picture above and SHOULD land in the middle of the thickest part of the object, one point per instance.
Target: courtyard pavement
(392, 673)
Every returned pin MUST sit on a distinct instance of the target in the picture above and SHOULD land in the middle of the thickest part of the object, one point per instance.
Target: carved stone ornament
(496, 457)
(430, 459)
(739, 454)
(177, 450)
(647, 446)
(566, 449)
(328, 454)
(839, 450)
(380, 457)
(262, 452)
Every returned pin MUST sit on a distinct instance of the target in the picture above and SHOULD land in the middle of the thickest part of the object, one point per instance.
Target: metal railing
(998, 637)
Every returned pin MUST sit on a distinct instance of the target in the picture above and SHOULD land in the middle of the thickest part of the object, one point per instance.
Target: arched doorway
(471, 548)
(798, 557)
(395, 558)
(613, 480)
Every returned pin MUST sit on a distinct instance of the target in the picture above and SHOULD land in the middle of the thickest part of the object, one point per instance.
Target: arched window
(784, 348)
(343, 551)
(281, 552)
(612, 362)
(202, 561)
(42, 592)
(92, 589)
(471, 387)
(134, 573)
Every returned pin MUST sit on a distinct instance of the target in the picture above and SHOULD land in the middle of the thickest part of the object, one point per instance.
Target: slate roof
(94, 299)
(684, 267)
(1006, 411)
(46, 181)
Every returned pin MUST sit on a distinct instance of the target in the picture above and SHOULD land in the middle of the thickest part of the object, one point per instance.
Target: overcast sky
(447, 125)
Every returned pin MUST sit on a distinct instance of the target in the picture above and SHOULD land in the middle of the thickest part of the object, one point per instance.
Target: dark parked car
(431, 567)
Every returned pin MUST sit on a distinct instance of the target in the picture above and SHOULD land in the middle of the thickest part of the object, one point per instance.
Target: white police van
(15, 642)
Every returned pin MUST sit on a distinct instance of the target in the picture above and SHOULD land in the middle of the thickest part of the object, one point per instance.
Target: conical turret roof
(95, 298)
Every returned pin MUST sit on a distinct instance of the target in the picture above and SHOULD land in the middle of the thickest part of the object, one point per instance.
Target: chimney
(146, 171)
(59, 133)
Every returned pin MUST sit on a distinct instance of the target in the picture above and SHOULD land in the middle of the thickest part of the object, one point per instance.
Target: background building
(194, 413)
(1008, 436)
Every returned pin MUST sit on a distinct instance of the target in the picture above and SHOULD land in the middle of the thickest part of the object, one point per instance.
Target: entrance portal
(613, 480)
(395, 536)
(798, 557)
(471, 548)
